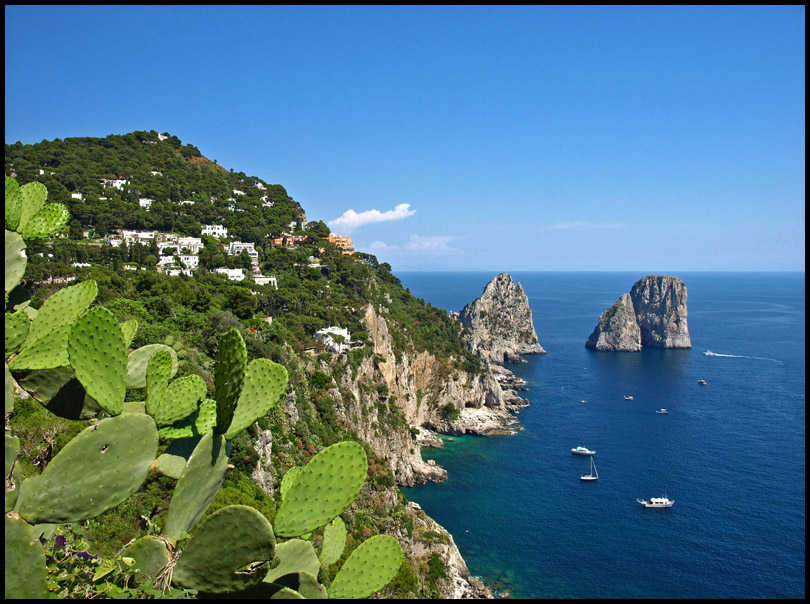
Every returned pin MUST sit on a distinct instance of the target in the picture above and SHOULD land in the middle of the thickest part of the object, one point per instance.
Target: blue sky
(657, 139)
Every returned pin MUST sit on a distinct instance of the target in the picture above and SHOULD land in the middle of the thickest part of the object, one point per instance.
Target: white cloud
(351, 219)
(578, 224)
(377, 247)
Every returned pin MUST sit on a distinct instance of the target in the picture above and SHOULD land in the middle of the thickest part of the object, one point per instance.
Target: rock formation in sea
(499, 324)
(652, 315)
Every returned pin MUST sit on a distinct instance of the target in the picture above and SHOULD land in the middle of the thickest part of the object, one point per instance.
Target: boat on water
(582, 451)
(628, 398)
(662, 411)
(702, 382)
(594, 475)
(657, 502)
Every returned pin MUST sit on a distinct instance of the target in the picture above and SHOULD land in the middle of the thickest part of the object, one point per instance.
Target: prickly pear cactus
(138, 361)
(326, 486)
(25, 562)
(295, 556)
(129, 329)
(46, 345)
(305, 584)
(289, 479)
(334, 541)
(13, 204)
(47, 222)
(369, 568)
(158, 373)
(94, 472)
(264, 383)
(151, 555)
(180, 400)
(197, 486)
(229, 375)
(98, 357)
(213, 560)
(16, 331)
(16, 260)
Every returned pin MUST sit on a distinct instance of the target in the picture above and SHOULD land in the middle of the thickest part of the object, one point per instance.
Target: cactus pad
(265, 382)
(158, 372)
(58, 390)
(33, 196)
(173, 461)
(25, 562)
(296, 556)
(180, 399)
(138, 360)
(197, 486)
(227, 541)
(15, 260)
(16, 331)
(47, 222)
(327, 485)
(99, 358)
(12, 450)
(334, 541)
(206, 416)
(46, 346)
(305, 584)
(289, 480)
(229, 374)
(369, 568)
(129, 329)
(9, 390)
(151, 555)
(13, 204)
(95, 471)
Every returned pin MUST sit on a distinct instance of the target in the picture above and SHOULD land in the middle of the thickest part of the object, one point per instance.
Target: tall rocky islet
(652, 315)
(499, 325)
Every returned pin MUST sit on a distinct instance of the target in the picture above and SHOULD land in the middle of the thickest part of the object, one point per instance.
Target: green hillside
(189, 315)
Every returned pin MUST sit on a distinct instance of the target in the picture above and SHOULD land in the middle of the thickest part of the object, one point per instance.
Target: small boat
(662, 411)
(628, 398)
(657, 502)
(583, 401)
(709, 353)
(582, 451)
(702, 382)
(594, 475)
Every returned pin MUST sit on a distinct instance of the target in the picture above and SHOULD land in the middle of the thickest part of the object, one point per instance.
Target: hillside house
(215, 230)
(337, 344)
(234, 274)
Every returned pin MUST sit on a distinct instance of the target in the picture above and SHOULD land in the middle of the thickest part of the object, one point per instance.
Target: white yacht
(662, 411)
(628, 398)
(657, 502)
(582, 451)
(594, 475)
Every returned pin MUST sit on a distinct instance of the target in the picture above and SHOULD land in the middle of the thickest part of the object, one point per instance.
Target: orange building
(343, 243)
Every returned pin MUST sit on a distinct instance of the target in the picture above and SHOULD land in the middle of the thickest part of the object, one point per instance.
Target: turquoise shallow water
(731, 453)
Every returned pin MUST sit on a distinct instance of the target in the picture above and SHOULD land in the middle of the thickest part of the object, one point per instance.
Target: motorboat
(662, 411)
(702, 382)
(657, 502)
(582, 451)
(628, 398)
(594, 475)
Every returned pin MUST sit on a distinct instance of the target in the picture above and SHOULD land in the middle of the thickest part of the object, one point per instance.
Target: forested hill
(157, 167)
(138, 205)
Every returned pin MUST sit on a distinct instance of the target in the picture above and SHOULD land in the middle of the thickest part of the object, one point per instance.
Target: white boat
(702, 382)
(582, 451)
(628, 398)
(662, 411)
(657, 502)
(594, 475)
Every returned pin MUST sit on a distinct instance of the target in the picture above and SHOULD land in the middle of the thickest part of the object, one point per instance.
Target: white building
(215, 230)
(238, 192)
(116, 183)
(187, 202)
(234, 274)
(191, 262)
(145, 202)
(237, 247)
(142, 237)
(327, 335)
(176, 272)
(262, 280)
(192, 244)
(77, 196)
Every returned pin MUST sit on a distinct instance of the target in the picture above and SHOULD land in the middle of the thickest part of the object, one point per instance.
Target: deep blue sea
(730, 453)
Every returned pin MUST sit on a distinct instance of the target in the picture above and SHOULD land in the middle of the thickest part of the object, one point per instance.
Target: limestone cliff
(499, 324)
(652, 315)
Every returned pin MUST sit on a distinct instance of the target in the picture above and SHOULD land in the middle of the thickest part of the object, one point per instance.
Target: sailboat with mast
(594, 475)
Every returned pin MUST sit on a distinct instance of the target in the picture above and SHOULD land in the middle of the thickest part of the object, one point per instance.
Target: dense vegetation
(318, 286)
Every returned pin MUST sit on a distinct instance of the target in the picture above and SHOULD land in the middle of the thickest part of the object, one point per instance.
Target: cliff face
(617, 328)
(499, 323)
(652, 315)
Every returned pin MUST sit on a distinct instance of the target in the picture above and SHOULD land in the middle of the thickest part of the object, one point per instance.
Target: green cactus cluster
(73, 359)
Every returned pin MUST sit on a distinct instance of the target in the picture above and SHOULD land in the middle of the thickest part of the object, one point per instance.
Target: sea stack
(652, 315)
(499, 323)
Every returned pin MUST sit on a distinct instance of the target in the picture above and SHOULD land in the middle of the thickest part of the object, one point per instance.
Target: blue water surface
(730, 453)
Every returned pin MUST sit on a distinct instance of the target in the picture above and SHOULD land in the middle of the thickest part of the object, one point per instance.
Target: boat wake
(709, 353)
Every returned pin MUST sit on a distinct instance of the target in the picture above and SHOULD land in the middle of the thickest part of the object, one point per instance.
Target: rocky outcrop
(499, 324)
(652, 315)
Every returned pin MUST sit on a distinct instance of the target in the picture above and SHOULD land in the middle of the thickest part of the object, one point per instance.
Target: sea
(730, 453)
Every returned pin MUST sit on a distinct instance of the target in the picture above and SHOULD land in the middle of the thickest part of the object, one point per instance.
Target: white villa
(215, 230)
(234, 274)
(330, 342)
(237, 247)
(145, 202)
(116, 183)
(262, 280)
